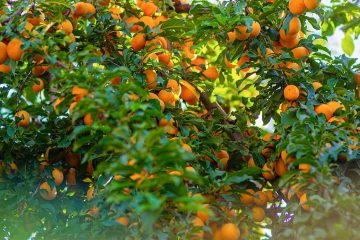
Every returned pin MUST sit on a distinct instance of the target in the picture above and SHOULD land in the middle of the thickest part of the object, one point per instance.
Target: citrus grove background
(136, 120)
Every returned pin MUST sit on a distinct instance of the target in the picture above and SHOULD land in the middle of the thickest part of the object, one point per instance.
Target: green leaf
(348, 45)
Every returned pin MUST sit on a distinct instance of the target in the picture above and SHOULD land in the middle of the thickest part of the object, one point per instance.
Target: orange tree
(136, 120)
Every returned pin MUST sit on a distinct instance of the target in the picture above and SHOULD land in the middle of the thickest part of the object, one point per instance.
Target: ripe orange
(3, 52)
(5, 68)
(280, 167)
(165, 57)
(335, 106)
(241, 33)
(167, 97)
(311, 4)
(122, 220)
(115, 12)
(203, 215)
(151, 78)
(90, 9)
(71, 177)
(228, 63)
(244, 59)
(316, 85)
(303, 202)
(247, 197)
(300, 52)
(14, 49)
(158, 20)
(57, 102)
(88, 121)
(138, 42)
(58, 176)
(258, 214)
(148, 8)
(297, 7)
(148, 21)
(189, 93)
(211, 73)
(293, 67)
(230, 231)
(38, 86)
(90, 193)
(174, 86)
(80, 9)
(168, 126)
(231, 37)
(256, 28)
(291, 43)
(115, 80)
(357, 78)
(324, 109)
(198, 223)
(199, 61)
(294, 26)
(285, 106)
(66, 26)
(304, 167)
(26, 118)
(51, 193)
(286, 36)
(260, 198)
(154, 96)
(268, 169)
(291, 92)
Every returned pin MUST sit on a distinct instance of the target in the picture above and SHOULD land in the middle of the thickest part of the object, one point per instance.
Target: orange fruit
(189, 93)
(247, 197)
(66, 26)
(168, 126)
(88, 121)
(38, 86)
(58, 176)
(335, 106)
(258, 214)
(316, 85)
(357, 78)
(285, 106)
(154, 96)
(158, 20)
(269, 195)
(115, 12)
(241, 33)
(138, 42)
(3, 52)
(211, 73)
(280, 167)
(57, 102)
(267, 137)
(268, 169)
(148, 21)
(167, 97)
(174, 86)
(198, 223)
(230, 231)
(251, 163)
(71, 177)
(297, 7)
(294, 26)
(151, 78)
(104, 2)
(303, 202)
(165, 57)
(5, 68)
(122, 220)
(304, 167)
(26, 118)
(115, 80)
(90, 193)
(51, 193)
(291, 43)
(199, 61)
(80, 9)
(228, 63)
(14, 49)
(231, 37)
(300, 52)
(291, 92)
(324, 109)
(293, 67)
(79, 93)
(148, 8)
(260, 198)
(286, 36)
(203, 215)
(311, 4)
(244, 59)
(256, 28)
